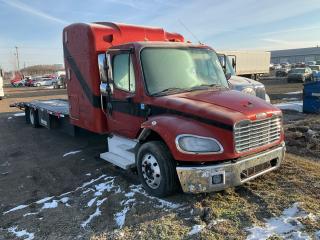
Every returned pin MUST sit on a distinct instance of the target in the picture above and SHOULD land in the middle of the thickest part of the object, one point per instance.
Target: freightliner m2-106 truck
(165, 107)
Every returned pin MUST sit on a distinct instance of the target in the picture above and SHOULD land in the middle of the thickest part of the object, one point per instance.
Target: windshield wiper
(169, 91)
(205, 86)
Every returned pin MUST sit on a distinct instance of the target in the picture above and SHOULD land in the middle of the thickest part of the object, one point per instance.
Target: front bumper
(196, 179)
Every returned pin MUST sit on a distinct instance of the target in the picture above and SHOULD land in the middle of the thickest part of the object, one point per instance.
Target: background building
(295, 55)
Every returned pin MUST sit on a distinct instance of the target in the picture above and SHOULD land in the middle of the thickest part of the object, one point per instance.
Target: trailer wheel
(156, 169)
(33, 118)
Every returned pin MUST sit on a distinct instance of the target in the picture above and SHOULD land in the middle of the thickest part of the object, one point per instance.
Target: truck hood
(227, 106)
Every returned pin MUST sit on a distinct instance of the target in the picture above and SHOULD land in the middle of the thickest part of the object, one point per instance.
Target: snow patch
(161, 203)
(29, 214)
(99, 202)
(88, 174)
(20, 114)
(9, 118)
(21, 233)
(16, 208)
(52, 204)
(295, 106)
(106, 186)
(286, 226)
(64, 199)
(91, 202)
(46, 199)
(91, 181)
(92, 216)
(71, 153)
(120, 217)
(196, 229)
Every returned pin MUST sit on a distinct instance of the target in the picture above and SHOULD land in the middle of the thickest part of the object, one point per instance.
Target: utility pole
(17, 54)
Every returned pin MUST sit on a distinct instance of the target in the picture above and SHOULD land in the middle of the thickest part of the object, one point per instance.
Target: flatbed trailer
(52, 114)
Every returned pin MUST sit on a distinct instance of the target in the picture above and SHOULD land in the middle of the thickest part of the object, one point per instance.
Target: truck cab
(167, 109)
(1, 84)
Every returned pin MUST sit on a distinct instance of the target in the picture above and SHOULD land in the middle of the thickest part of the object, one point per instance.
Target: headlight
(249, 91)
(187, 143)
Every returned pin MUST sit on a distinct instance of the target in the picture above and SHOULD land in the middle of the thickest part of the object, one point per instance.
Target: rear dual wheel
(157, 169)
(33, 118)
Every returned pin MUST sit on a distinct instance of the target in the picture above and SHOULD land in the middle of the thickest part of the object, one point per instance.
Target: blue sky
(35, 26)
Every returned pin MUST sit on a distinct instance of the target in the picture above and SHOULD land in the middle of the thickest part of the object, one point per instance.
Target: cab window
(123, 75)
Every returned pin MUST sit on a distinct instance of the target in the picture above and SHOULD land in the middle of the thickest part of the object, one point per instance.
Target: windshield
(181, 69)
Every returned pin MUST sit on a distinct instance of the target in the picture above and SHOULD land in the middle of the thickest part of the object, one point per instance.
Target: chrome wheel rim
(151, 171)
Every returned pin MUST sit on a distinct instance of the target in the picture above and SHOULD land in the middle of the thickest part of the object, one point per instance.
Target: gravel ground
(54, 186)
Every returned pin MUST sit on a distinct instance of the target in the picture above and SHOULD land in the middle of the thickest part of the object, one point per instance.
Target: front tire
(157, 169)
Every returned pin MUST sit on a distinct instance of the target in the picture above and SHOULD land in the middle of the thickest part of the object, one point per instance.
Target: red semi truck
(166, 108)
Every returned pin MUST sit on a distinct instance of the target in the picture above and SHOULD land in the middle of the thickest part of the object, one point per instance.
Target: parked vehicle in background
(282, 72)
(309, 63)
(44, 82)
(299, 65)
(285, 65)
(249, 64)
(60, 82)
(1, 84)
(276, 66)
(28, 82)
(242, 84)
(318, 62)
(16, 82)
(300, 75)
(166, 108)
(315, 72)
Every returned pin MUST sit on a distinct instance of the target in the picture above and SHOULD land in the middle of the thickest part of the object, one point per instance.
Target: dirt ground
(54, 186)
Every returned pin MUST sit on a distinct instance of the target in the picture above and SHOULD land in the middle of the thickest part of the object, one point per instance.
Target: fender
(170, 126)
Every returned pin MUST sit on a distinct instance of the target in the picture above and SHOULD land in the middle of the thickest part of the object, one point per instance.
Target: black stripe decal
(135, 109)
(93, 99)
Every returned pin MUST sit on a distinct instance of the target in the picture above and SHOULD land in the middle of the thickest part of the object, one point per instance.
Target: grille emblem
(261, 115)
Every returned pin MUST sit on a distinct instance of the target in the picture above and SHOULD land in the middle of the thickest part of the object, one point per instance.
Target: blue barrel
(311, 97)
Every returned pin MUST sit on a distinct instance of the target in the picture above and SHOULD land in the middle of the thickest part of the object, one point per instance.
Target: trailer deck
(56, 107)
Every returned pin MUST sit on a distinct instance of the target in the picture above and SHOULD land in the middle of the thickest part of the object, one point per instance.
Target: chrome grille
(249, 135)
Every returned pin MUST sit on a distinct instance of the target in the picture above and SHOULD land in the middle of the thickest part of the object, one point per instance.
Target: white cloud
(282, 43)
(26, 8)
(208, 18)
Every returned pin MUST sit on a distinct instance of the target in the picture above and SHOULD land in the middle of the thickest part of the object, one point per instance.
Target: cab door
(125, 115)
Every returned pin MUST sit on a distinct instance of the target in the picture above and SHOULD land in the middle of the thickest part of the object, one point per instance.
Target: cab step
(120, 152)
(118, 160)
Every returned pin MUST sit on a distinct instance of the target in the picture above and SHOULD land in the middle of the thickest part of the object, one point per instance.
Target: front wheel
(157, 169)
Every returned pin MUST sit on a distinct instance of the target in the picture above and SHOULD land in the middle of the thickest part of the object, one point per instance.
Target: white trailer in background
(249, 64)
(1, 84)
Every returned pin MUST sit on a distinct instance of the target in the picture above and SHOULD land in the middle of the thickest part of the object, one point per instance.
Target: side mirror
(102, 67)
(234, 63)
(106, 88)
(108, 67)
